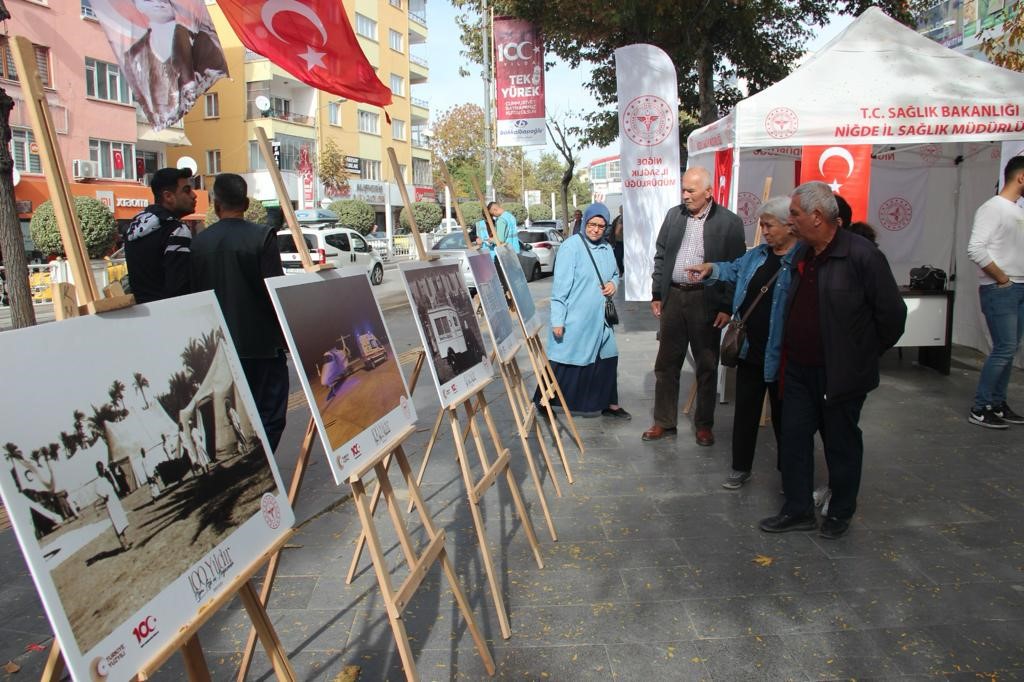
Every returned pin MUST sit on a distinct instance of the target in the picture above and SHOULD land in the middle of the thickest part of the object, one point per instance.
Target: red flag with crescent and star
(312, 40)
(846, 169)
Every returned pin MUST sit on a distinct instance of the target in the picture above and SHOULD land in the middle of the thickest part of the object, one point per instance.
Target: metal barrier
(399, 248)
(42, 277)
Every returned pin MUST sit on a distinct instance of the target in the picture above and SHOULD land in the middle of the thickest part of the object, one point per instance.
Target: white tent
(218, 386)
(925, 108)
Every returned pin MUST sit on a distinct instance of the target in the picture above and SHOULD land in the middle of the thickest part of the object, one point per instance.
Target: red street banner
(846, 169)
(312, 40)
(168, 52)
(519, 76)
(723, 176)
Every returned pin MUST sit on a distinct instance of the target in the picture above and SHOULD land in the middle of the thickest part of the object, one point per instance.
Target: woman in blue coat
(758, 368)
(581, 346)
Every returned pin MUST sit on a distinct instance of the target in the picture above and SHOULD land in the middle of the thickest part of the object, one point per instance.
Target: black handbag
(736, 330)
(927, 278)
(611, 315)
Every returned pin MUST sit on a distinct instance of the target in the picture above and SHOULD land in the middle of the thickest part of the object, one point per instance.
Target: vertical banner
(723, 176)
(1010, 150)
(168, 51)
(649, 156)
(846, 169)
(898, 200)
(519, 77)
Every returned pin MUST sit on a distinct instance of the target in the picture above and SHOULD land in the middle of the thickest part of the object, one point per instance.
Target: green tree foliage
(459, 141)
(540, 212)
(472, 211)
(516, 209)
(355, 213)
(427, 213)
(1005, 48)
(709, 41)
(331, 169)
(256, 213)
(96, 220)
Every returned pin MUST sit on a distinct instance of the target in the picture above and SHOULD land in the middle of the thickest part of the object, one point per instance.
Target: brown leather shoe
(657, 433)
(705, 437)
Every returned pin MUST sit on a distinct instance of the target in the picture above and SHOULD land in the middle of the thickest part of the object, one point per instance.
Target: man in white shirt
(997, 246)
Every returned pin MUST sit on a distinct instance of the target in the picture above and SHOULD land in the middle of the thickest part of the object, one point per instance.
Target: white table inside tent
(929, 327)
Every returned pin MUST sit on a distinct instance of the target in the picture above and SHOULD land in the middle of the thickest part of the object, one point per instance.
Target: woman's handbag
(736, 330)
(611, 315)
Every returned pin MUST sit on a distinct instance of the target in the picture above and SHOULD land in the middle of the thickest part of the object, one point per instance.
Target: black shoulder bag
(611, 315)
(736, 331)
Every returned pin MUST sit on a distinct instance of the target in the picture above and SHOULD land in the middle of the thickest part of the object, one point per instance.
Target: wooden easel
(547, 383)
(397, 600)
(83, 298)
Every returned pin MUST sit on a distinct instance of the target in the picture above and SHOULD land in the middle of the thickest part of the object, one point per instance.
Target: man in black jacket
(157, 244)
(691, 313)
(844, 310)
(233, 257)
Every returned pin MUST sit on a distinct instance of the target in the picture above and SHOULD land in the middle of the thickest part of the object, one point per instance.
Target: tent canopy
(878, 82)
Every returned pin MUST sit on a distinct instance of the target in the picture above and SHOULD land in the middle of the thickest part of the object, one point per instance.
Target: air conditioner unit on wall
(83, 168)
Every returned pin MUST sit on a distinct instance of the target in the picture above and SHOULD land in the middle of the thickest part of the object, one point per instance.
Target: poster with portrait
(495, 306)
(140, 482)
(520, 290)
(346, 363)
(448, 328)
(168, 51)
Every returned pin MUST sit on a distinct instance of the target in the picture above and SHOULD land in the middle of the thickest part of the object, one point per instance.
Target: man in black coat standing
(692, 314)
(843, 311)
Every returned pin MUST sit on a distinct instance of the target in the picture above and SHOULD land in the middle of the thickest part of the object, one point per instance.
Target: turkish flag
(846, 169)
(118, 160)
(723, 176)
(310, 39)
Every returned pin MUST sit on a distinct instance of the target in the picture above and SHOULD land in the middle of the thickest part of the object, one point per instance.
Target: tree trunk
(706, 85)
(12, 246)
(566, 180)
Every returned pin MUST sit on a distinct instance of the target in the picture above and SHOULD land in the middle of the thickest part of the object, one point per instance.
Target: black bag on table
(927, 278)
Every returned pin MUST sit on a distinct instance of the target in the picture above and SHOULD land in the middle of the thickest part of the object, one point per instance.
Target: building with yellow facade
(297, 117)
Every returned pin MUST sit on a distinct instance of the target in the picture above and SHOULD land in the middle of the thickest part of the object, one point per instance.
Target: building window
(421, 173)
(280, 107)
(211, 105)
(366, 27)
(395, 3)
(212, 161)
(8, 70)
(369, 123)
(397, 85)
(395, 40)
(369, 170)
(87, 11)
(334, 113)
(147, 163)
(290, 147)
(115, 158)
(104, 81)
(22, 142)
(403, 170)
(397, 129)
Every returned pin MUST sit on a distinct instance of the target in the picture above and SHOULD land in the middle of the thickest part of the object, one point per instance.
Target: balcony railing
(418, 60)
(419, 17)
(419, 102)
(287, 116)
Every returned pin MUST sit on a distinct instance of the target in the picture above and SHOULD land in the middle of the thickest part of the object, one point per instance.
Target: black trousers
(804, 411)
(268, 381)
(746, 422)
(685, 324)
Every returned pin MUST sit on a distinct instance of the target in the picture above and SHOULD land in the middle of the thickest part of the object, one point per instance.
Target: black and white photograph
(448, 327)
(143, 461)
(346, 361)
(495, 307)
(508, 261)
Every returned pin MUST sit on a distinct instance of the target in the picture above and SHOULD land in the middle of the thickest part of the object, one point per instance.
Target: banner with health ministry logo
(519, 77)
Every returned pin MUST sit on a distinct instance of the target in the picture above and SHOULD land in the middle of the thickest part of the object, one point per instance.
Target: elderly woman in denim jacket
(758, 368)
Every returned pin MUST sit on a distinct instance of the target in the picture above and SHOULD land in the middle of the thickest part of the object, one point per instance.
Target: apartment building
(959, 24)
(107, 146)
(300, 120)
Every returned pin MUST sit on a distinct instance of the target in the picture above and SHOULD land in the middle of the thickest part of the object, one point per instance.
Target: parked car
(455, 242)
(544, 242)
(338, 245)
(447, 226)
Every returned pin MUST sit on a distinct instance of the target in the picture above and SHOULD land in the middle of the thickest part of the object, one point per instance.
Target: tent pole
(956, 213)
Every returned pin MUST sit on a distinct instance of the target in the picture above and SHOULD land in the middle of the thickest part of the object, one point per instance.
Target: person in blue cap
(581, 346)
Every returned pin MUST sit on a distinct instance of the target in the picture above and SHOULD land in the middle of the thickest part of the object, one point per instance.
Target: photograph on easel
(448, 327)
(136, 474)
(520, 290)
(346, 363)
(492, 299)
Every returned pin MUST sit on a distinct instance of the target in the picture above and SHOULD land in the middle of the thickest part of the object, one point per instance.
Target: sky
(565, 87)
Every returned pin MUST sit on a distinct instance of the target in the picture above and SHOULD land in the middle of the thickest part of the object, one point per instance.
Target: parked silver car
(544, 241)
(455, 242)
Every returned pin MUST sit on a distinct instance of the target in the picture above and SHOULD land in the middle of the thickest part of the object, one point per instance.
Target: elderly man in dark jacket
(844, 311)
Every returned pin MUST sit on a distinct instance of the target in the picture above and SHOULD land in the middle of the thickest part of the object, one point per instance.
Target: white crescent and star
(272, 8)
(843, 154)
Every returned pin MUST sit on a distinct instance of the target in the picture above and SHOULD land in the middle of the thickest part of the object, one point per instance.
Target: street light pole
(485, 27)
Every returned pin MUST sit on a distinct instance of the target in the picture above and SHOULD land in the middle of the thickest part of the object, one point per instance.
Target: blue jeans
(1004, 314)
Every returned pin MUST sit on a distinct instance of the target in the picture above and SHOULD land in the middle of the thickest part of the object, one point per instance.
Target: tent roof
(878, 82)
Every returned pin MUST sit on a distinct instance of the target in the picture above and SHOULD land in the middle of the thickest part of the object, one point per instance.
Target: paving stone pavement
(658, 572)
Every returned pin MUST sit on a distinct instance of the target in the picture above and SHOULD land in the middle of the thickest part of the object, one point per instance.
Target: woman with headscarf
(581, 346)
(766, 268)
